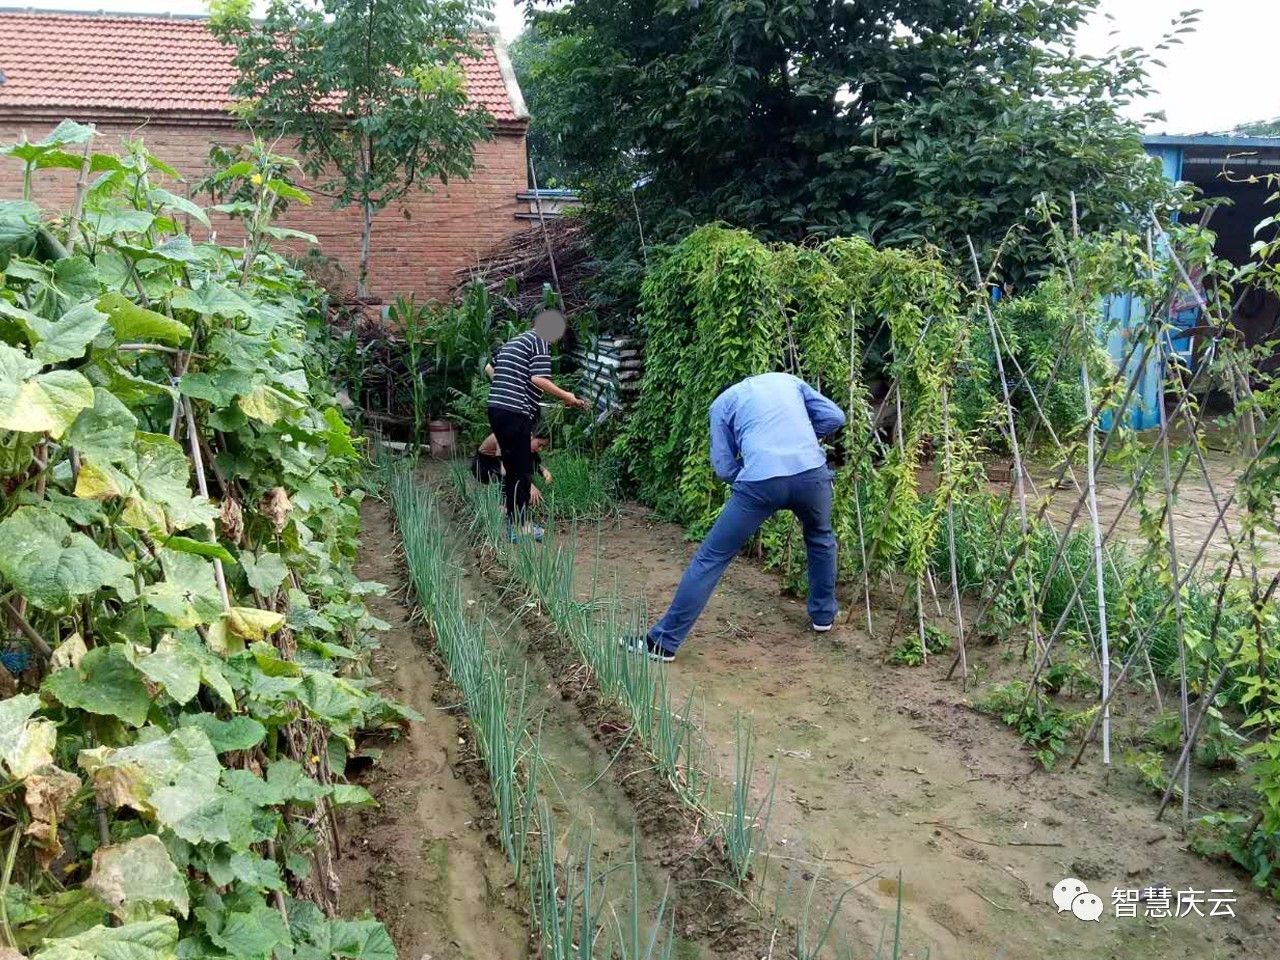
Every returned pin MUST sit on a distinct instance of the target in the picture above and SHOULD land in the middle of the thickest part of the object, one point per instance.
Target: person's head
(539, 444)
(549, 325)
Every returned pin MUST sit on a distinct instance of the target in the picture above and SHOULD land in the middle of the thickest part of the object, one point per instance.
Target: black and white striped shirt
(517, 363)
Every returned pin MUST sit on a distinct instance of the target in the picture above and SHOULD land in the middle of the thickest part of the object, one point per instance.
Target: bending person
(764, 441)
(486, 465)
(521, 374)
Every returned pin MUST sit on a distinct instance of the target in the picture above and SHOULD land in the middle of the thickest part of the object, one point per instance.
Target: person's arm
(724, 445)
(540, 377)
(547, 385)
(825, 416)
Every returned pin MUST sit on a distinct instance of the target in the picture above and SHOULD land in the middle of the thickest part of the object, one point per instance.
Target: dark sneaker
(648, 646)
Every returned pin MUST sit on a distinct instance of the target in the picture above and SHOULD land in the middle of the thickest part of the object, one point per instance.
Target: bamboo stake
(1177, 594)
(1013, 437)
(77, 205)
(951, 544)
(1151, 627)
(1091, 482)
(857, 496)
(193, 444)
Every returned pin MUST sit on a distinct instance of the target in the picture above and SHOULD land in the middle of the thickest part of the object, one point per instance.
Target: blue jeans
(808, 496)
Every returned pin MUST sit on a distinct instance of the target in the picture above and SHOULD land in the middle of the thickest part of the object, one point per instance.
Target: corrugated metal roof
(153, 65)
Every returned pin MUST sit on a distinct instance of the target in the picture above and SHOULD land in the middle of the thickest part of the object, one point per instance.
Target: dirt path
(884, 769)
(421, 861)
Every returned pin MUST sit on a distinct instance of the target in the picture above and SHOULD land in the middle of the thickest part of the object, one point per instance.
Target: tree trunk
(366, 233)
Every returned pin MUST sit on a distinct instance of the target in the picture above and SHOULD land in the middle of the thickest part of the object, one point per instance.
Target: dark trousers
(514, 432)
(808, 496)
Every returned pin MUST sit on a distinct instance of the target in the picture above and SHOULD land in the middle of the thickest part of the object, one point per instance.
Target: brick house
(166, 79)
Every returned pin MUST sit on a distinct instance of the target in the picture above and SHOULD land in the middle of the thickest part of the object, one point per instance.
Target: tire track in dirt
(884, 769)
(423, 861)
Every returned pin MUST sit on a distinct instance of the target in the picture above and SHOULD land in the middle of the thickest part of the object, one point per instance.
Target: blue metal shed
(1200, 159)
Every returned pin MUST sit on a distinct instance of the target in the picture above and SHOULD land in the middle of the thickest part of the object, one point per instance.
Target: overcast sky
(1221, 76)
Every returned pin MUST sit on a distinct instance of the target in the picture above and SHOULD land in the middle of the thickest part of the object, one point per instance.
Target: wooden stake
(1033, 612)
(951, 543)
(1091, 491)
(857, 496)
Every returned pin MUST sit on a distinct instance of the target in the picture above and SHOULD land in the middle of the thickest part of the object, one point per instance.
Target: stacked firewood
(525, 257)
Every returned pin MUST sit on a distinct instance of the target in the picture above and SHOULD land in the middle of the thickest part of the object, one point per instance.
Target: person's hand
(575, 401)
(535, 496)
(546, 474)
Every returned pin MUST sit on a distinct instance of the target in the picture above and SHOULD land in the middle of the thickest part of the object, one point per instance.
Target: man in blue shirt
(764, 441)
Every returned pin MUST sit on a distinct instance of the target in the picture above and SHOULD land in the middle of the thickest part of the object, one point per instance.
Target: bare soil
(424, 861)
(888, 770)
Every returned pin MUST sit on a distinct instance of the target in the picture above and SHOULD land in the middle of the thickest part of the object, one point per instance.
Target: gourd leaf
(172, 779)
(105, 431)
(33, 402)
(137, 874)
(237, 733)
(188, 596)
(52, 565)
(19, 221)
(164, 198)
(103, 683)
(265, 572)
(133, 323)
(25, 744)
(214, 299)
(146, 940)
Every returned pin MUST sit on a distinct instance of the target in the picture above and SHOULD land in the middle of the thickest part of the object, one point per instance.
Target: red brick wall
(416, 247)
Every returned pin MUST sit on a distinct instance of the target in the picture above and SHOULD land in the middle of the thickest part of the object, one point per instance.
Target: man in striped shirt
(521, 374)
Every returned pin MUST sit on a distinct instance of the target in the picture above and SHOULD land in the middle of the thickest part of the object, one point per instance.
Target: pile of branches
(516, 270)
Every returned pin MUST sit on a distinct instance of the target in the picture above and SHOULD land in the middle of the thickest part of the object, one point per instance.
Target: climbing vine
(186, 640)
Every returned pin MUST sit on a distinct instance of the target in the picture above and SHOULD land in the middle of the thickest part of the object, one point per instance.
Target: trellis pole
(951, 543)
(1091, 479)
(1033, 614)
(857, 498)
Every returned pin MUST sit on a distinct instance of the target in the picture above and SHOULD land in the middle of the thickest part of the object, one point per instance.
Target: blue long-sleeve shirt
(769, 426)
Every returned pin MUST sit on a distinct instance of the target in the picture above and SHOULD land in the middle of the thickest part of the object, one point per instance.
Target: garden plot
(420, 860)
(884, 769)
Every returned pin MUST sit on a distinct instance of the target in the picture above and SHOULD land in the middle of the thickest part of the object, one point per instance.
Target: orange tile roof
(150, 64)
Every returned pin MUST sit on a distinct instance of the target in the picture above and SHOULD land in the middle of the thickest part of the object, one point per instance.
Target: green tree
(373, 91)
(900, 120)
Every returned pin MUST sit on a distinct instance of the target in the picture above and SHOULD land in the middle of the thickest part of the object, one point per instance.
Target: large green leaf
(133, 323)
(25, 744)
(117, 218)
(188, 595)
(285, 782)
(105, 431)
(237, 733)
(19, 221)
(265, 572)
(104, 683)
(212, 298)
(135, 875)
(164, 198)
(146, 940)
(252, 934)
(154, 481)
(52, 565)
(180, 664)
(173, 779)
(32, 402)
(69, 336)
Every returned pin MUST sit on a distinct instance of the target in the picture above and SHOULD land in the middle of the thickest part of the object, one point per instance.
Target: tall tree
(898, 119)
(374, 92)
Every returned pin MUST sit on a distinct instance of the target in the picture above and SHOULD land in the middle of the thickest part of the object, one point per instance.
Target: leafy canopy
(899, 121)
(373, 91)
